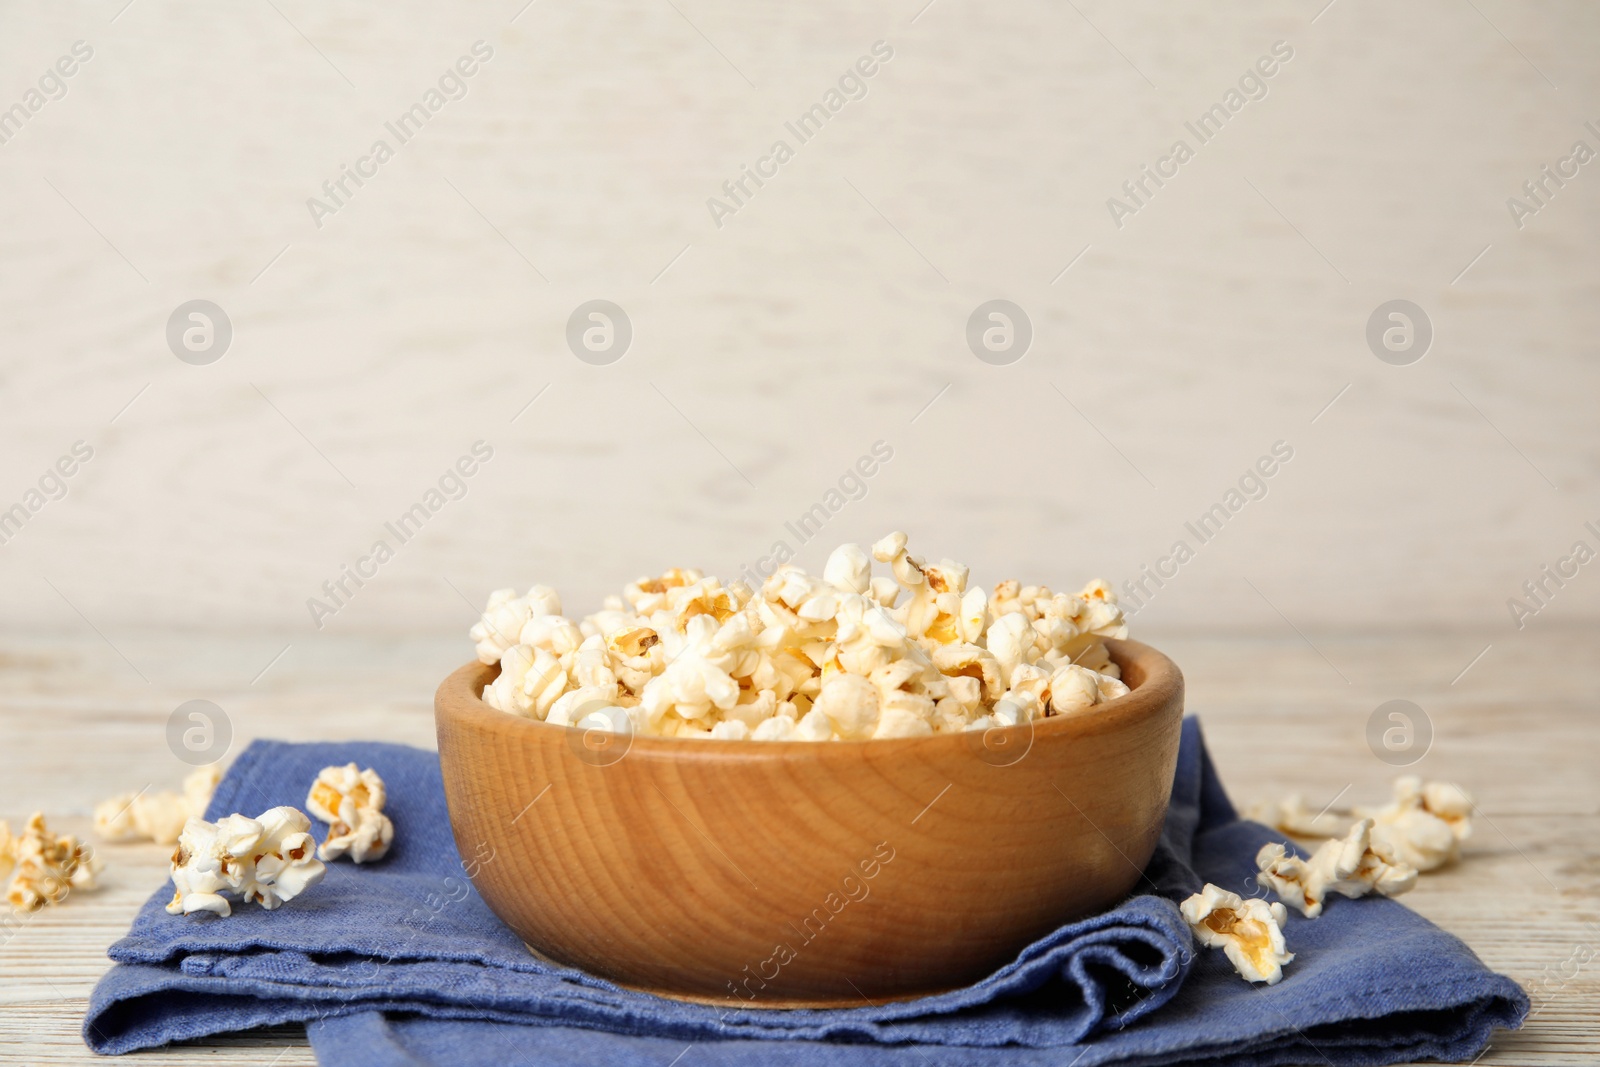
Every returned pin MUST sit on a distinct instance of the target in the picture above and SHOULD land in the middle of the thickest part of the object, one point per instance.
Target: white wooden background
(826, 314)
(770, 353)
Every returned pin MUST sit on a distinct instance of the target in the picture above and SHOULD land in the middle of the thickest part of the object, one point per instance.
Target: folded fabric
(400, 962)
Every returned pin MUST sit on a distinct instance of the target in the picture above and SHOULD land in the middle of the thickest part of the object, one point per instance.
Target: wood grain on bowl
(782, 874)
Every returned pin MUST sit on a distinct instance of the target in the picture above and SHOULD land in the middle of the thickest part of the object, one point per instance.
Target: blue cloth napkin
(401, 963)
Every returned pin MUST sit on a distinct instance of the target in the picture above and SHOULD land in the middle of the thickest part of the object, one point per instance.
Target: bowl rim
(459, 697)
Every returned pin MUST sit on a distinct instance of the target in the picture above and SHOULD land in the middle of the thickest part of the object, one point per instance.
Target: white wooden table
(1519, 728)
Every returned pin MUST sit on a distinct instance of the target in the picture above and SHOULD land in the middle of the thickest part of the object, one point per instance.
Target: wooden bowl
(790, 874)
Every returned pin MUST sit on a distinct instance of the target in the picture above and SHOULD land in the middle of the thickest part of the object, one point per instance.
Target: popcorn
(1011, 638)
(847, 656)
(350, 801)
(851, 703)
(1111, 687)
(1073, 687)
(505, 616)
(885, 591)
(892, 550)
(1360, 869)
(902, 722)
(814, 726)
(1294, 816)
(1292, 878)
(1424, 826)
(849, 569)
(45, 867)
(269, 859)
(777, 728)
(1249, 931)
(157, 817)
(198, 788)
(1347, 866)
(1421, 830)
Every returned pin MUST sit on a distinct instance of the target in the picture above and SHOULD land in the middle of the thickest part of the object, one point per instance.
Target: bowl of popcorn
(836, 788)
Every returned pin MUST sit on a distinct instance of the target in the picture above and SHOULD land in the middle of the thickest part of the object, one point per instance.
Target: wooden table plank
(1519, 730)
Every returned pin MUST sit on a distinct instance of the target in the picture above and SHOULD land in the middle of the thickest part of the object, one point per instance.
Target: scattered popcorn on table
(1424, 826)
(45, 867)
(1347, 866)
(847, 656)
(1295, 817)
(269, 859)
(157, 817)
(350, 801)
(1249, 931)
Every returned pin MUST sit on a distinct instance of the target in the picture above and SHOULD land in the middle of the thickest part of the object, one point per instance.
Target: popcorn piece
(284, 864)
(198, 788)
(531, 681)
(1249, 932)
(892, 550)
(851, 703)
(777, 728)
(899, 722)
(970, 661)
(1295, 817)
(505, 616)
(269, 859)
(157, 817)
(885, 591)
(814, 726)
(611, 724)
(45, 867)
(1011, 640)
(350, 801)
(1361, 870)
(1292, 879)
(974, 617)
(1424, 826)
(1073, 687)
(842, 657)
(849, 568)
(1347, 866)
(1111, 687)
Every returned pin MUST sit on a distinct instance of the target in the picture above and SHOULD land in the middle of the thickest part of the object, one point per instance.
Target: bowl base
(768, 1003)
(857, 1000)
